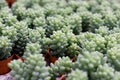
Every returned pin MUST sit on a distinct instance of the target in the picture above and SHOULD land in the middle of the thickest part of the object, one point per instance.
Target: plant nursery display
(60, 39)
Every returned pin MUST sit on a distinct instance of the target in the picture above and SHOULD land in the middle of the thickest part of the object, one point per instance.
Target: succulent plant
(110, 20)
(61, 66)
(61, 44)
(96, 21)
(77, 75)
(113, 56)
(10, 20)
(54, 23)
(104, 72)
(5, 47)
(39, 22)
(36, 35)
(112, 40)
(33, 68)
(22, 38)
(10, 32)
(117, 75)
(89, 61)
(92, 42)
(4, 12)
(102, 30)
(74, 21)
(64, 11)
(32, 48)
(3, 3)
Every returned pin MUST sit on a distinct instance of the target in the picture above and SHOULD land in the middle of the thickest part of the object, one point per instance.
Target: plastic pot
(4, 65)
(10, 2)
(52, 59)
(62, 77)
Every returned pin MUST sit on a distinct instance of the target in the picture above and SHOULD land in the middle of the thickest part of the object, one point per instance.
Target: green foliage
(77, 75)
(32, 48)
(22, 38)
(5, 47)
(61, 66)
(104, 72)
(89, 61)
(10, 32)
(36, 35)
(113, 56)
(33, 68)
(92, 42)
(62, 44)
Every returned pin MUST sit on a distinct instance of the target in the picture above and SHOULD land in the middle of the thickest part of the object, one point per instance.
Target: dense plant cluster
(86, 31)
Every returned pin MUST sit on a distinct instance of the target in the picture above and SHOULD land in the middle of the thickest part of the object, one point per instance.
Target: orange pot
(51, 58)
(4, 65)
(10, 2)
(62, 77)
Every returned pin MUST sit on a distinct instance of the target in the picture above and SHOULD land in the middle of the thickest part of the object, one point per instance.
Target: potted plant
(5, 56)
(33, 68)
(61, 44)
(61, 67)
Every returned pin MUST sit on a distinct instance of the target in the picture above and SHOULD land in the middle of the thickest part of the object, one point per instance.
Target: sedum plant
(10, 32)
(61, 66)
(92, 42)
(36, 35)
(3, 4)
(5, 47)
(32, 48)
(22, 38)
(112, 39)
(33, 68)
(104, 72)
(54, 23)
(89, 61)
(74, 21)
(77, 75)
(113, 56)
(61, 44)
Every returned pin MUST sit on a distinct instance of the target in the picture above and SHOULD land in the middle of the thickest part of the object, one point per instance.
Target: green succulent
(22, 38)
(32, 48)
(33, 68)
(77, 75)
(89, 61)
(61, 66)
(104, 72)
(92, 42)
(5, 47)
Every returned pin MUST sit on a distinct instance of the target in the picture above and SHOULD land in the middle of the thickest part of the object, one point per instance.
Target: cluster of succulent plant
(92, 42)
(86, 30)
(62, 66)
(33, 68)
(5, 47)
(62, 43)
(77, 75)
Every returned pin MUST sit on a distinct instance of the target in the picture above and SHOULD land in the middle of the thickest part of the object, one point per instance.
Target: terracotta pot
(53, 59)
(4, 65)
(62, 77)
(10, 2)
(18, 57)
